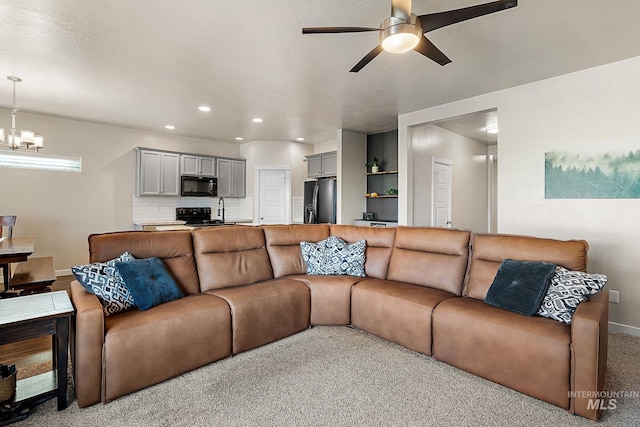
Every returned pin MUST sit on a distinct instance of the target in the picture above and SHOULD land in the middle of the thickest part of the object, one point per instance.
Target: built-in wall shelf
(385, 196)
(381, 173)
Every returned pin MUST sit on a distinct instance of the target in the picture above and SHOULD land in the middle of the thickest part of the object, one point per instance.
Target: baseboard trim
(66, 272)
(625, 329)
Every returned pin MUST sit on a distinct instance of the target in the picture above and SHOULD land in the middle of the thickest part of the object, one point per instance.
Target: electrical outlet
(614, 297)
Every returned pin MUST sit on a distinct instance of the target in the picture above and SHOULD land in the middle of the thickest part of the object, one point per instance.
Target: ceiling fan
(404, 30)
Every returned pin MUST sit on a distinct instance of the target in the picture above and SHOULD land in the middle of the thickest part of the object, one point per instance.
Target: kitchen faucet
(221, 200)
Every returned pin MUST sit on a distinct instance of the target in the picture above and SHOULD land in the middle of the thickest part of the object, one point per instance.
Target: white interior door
(441, 192)
(273, 203)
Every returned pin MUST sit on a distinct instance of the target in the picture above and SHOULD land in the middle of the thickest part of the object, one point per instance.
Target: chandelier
(19, 139)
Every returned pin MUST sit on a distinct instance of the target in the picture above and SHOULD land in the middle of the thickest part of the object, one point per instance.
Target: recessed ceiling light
(491, 129)
(204, 108)
(239, 138)
(299, 139)
(257, 120)
(170, 127)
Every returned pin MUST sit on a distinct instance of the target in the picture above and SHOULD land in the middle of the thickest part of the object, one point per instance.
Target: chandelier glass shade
(14, 138)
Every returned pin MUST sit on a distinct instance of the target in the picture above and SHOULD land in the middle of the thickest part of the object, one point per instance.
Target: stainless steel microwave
(199, 186)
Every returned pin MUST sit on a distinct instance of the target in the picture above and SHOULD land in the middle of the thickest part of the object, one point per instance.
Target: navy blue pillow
(520, 286)
(149, 282)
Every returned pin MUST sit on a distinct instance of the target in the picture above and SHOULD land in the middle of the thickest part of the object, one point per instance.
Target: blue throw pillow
(520, 286)
(149, 282)
(103, 280)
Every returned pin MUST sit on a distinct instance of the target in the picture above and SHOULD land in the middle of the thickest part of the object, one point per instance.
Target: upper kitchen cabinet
(197, 165)
(157, 173)
(231, 178)
(322, 165)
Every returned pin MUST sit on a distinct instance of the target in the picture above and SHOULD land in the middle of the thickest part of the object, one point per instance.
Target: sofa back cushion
(489, 250)
(429, 256)
(174, 248)
(230, 256)
(283, 245)
(379, 246)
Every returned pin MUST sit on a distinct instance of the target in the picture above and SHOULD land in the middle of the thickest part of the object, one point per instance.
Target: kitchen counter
(181, 225)
(153, 225)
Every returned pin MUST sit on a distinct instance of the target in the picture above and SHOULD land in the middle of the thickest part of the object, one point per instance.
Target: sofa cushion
(330, 298)
(103, 280)
(567, 290)
(528, 354)
(489, 250)
(142, 348)
(174, 248)
(432, 257)
(230, 256)
(397, 311)
(265, 312)
(283, 245)
(379, 246)
(520, 286)
(149, 282)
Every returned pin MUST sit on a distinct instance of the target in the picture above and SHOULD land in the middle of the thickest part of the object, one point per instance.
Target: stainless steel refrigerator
(320, 201)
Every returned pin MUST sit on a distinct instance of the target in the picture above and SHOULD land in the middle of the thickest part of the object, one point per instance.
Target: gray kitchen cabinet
(231, 178)
(157, 173)
(197, 165)
(322, 165)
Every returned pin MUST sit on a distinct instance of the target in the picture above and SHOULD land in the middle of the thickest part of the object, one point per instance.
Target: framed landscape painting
(592, 175)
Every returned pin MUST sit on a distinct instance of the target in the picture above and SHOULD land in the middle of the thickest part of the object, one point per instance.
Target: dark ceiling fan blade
(429, 50)
(401, 9)
(333, 30)
(433, 21)
(368, 58)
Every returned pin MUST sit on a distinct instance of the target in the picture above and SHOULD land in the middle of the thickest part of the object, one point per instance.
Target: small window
(40, 161)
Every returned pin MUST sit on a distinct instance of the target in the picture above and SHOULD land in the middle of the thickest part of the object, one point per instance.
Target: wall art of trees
(584, 176)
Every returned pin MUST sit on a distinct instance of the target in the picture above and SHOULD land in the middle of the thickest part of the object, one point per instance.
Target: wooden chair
(6, 222)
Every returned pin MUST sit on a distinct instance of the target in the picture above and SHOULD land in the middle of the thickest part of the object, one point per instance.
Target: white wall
(352, 183)
(325, 147)
(61, 209)
(469, 176)
(599, 106)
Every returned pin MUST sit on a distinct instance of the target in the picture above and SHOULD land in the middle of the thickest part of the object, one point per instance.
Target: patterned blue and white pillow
(313, 255)
(568, 289)
(334, 256)
(345, 258)
(103, 280)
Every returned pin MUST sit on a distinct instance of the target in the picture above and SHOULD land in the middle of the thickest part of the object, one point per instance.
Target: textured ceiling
(146, 63)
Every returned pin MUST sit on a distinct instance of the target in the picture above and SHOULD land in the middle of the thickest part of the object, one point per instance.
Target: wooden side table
(33, 316)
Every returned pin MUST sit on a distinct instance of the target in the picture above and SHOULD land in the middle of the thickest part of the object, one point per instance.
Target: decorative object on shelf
(392, 192)
(7, 382)
(27, 138)
(374, 165)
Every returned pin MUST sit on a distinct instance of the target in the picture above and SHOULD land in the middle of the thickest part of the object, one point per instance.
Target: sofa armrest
(86, 345)
(589, 338)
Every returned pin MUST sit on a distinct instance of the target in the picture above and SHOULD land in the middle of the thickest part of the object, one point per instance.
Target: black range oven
(197, 217)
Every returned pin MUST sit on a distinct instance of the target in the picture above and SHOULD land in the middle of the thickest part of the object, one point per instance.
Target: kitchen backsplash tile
(151, 208)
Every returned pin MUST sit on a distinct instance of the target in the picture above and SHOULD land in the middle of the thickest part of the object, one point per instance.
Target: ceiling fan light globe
(400, 42)
(398, 36)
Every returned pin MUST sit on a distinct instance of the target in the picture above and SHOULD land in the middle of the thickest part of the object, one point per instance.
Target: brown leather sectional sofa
(246, 287)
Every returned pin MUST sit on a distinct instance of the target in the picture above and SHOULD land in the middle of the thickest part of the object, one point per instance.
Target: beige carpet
(340, 376)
